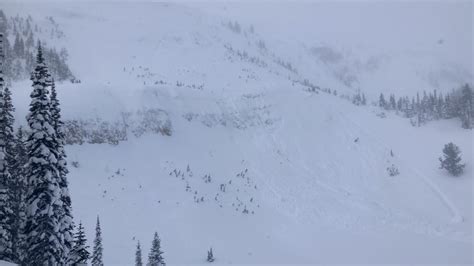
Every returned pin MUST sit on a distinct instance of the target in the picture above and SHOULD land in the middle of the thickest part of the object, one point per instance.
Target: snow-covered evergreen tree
(382, 102)
(16, 183)
(466, 102)
(30, 42)
(97, 250)
(45, 243)
(138, 255)
(7, 112)
(392, 104)
(155, 257)
(452, 159)
(66, 219)
(17, 46)
(19, 58)
(20, 183)
(6, 212)
(3, 22)
(79, 253)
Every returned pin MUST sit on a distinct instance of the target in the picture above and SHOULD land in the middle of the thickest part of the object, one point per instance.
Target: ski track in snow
(346, 198)
(456, 216)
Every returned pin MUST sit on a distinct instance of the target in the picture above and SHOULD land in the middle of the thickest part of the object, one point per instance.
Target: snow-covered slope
(4, 263)
(257, 167)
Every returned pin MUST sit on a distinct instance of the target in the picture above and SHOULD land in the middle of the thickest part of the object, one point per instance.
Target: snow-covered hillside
(259, 166)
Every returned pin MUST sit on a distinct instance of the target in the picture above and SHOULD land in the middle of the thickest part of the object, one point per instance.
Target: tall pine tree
(16, 182)
(44, 207)
(66, 219)
(7, 112)
(20, 182)
(382, 102)
(97, 251)
(138, 255)
(467, 107)
(6, 212)
(79, 253)
(155, 257)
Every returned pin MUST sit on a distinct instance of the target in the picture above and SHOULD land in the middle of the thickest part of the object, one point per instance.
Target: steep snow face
(258, 166)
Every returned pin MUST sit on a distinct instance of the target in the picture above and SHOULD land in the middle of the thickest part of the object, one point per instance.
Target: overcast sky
(386, 25)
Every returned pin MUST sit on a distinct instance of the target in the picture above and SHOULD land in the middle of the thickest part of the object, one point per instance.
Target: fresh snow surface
(285, 155)
(5, 263)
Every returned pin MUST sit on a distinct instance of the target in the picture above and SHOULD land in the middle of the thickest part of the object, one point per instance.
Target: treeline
(459, 103)
(19, 60)
(155, 256)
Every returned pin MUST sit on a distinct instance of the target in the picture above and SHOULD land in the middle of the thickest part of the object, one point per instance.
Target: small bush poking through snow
(393, 170)
(75, 164)
(210, 255)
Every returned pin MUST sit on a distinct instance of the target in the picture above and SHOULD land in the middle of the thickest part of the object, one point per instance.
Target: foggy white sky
(387, 25)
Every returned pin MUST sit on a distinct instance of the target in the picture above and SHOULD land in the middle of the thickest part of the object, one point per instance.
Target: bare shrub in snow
(210, 255)
(98, 131)
(393, 170)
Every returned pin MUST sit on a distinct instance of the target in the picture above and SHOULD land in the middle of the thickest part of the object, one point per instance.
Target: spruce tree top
(42, 139)
(7, 115)
(5, 178)
(155, 257)
(138, 255)
(43, 197)
(79, 253)
(55, 109)
(39, 106)
(97, 250)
